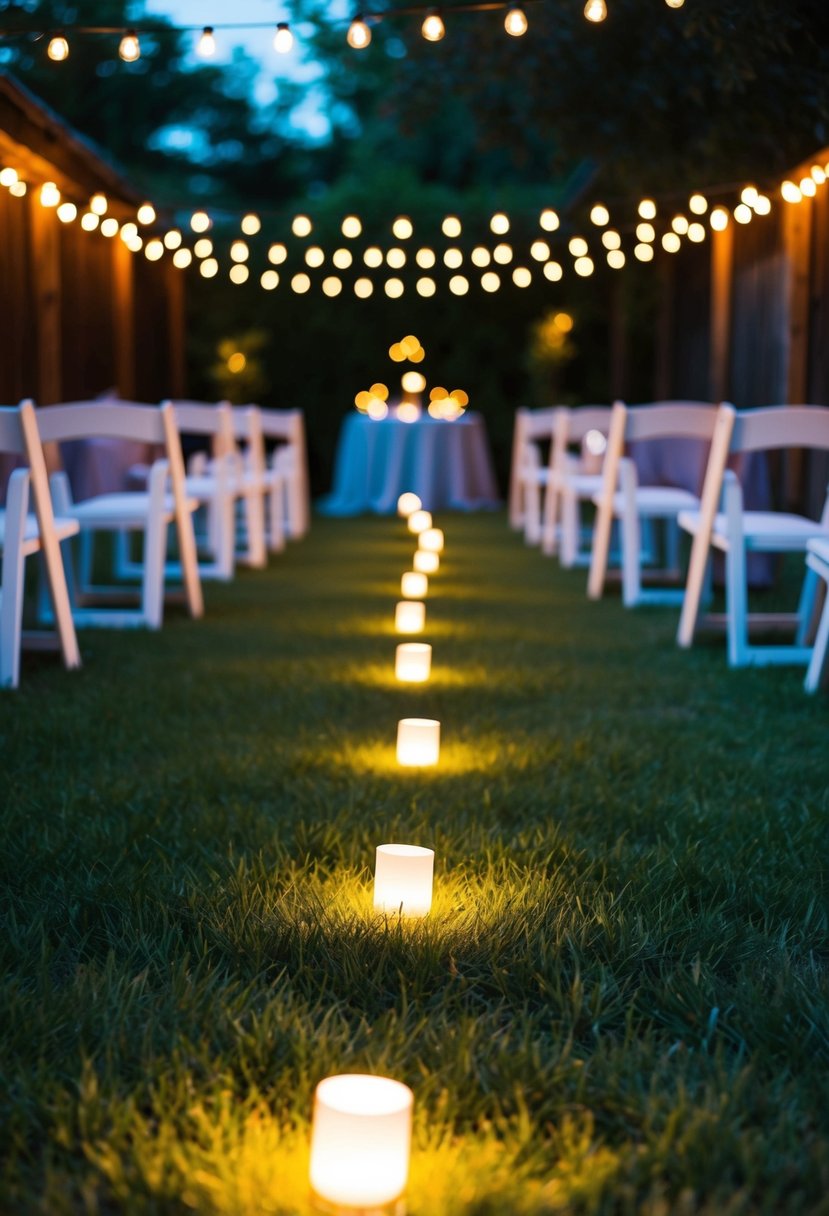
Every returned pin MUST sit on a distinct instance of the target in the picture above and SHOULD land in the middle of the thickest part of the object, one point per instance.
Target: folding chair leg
(532, 512)
(806, 606)
(697, 589)
(570, 529)
(11, 603)
(152, 590)
(736, 597)
(256, 554)
(276, 517)
(549, 539)
(814, 671)
(631, 560)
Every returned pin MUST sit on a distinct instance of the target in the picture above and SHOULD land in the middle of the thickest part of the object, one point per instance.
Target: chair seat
(656, 500)
(819, 550)
(64, 528)
(775, 531)
(583, 485)
(121, 510)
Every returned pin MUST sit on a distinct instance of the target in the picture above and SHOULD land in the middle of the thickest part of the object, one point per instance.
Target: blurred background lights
(209, 268)
(332, 286)
(206, 45)
(269, 280)
(790, 192)
(548, 220)
(109, 226)
(490, 281)
(8, 177)
(402, 228)
(68, 211)
(425, 258)
(251, 224)
(413, 382)
(499, 223)
(128, 231)
(521, 276)
(300, 283)
(540, 251)
(145, 214)
(595, 10)
(154, 250)
(453, 258)
(458, 285)
(808, 187)
(89, 221)
(342, 258)
(239, 251)
(480, 256)
(515, 22)
(763, 204)
(719, 219)
(239, 274)
(182, 258)
(577, 246)
(314, 256)
(301, 226)
(129, 47)
(49, 195)
(451, 227)
(583, 266)
(645, 231)
(698, 204)
(203, 247)
(396, 258)
(671, 242)
(615, 259)
(696, 232)
(502, 254)
(373, 257)
(172, 239)
(611, 239)
(351, 227)
(680, 224)
(200, 221)
(647, 209)
(277, 254)
(426, 287)
(748, 195)
(359, 34)
(643, 253)
(600, 215)
(58, 48)
(743, 213)
(98, 203)
(394, 288)
(433, 28)
(553, 271)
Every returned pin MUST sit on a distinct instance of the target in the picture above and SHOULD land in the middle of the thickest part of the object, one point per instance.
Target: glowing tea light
(419, 521)
(418, 742)
(414, 585)
(407, 504)
(410, 616)
(431, 539)
(360, 1140)
(413, 662)
(403, 879)
(425, 562)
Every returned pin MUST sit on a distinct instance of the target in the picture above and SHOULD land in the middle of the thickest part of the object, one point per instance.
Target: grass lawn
(619, 1003)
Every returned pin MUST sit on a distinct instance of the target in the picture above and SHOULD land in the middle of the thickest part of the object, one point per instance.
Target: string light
(314, 257)
(200, 221)
(583, 266)
(451, 227)
(251, 224)
(433, 28)
(342, 259)
(203, 247)
(680, 224)
(426, 287)
(480, 256)
(719, 219)
(808, 187)
(453, 258)
(674, 3)
(283, 41)
(8, 177)
(698, 204)
(499, 223)
(595, 11)
(373, 257)
(239, 251)
(300, 283)
(644, 253)
(172, 239)
(402, 228)
(182, 258)
(647, 209)
(49, 195)
(351, 227)
(58, 48)
(129, 47)
(645, 232)
(277, 254)
(459, 285)
(742, 213)
(209, 268)
(146, 214)
(67, 212)
(425, 258)
(763, 204)
(239, 274)
(577, 246)
(599, 215)
(696, 233)
(553, 271)
(490, 281)
(502, 254)
(359, 34)
(332, 286)
(521, 276)
(206, 45)
(18, 189)
(540, 251)
(548, 220)
(89, 221)
(98, 203)
(671, 242)
(515, 22)
(301, 226)
(611, 239)
(790, 192)
(154, 250)
(269, 280)
(109, 226)
(615, 259)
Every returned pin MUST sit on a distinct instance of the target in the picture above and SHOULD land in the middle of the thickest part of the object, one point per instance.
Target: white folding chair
(817, 558)
(573, 479)
(262, 489)
(148, 512)
(211, 480)
(290, 460)
(722, 522)
(529, 472)
(22, 535)
(622, 498)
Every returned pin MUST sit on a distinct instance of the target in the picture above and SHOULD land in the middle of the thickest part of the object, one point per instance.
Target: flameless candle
(413, 662)
(360, 1141)
(431, 539)
(407, 503)
(419, 521)
(418, 742)
(425, 562)
(413, 585)
(410, 616)
(403, 879)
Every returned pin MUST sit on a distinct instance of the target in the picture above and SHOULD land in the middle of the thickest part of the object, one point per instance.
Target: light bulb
(451, 226)
(206, 45)
(674, 3)
(172, 239)
(98, 204)
(283, 39)
(351, 226)
(499, 223)
(49, 195)
(548, 220)
(89, 221)
(200, 221)
(647, 209)
(130, 48)
(67, 212)
(8, 176)
(359, 34)
(790, 192)
(58, 48)
(698, 203)
(719, 219)
(146, 214)
(515, 22)
(600, 215)
(301, 226)
(433, 28)
(595, 11)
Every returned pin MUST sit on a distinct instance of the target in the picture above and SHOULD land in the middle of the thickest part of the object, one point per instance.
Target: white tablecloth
(447, 464)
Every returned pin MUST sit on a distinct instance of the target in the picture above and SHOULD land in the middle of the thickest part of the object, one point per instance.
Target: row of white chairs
(546, 500)
(249, 504)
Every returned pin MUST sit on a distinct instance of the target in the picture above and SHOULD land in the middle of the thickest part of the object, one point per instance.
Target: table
(447, 464)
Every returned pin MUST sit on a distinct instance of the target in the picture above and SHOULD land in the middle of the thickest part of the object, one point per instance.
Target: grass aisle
(619, 1002)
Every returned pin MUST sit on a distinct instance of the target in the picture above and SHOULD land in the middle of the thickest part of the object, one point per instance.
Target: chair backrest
(288, 425)
(583, 418)
(671, 420)
(206, 418)
(246, 424)
(781, 426)
(108, 420)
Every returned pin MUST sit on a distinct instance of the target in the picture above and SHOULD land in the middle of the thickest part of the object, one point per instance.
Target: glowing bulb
(203, 247)
(742, 214)
(314, 256)
(154, 250)
(480, 256)
(490, 281)
(719, 219)
(696, 233)
(808, 187)
(749, 195)
(521, 276)
(583, 266)
(209, 268)
(502, 254)
(182, 258)
(89, 221)
(698, 204)
(790, 192)
(251, 224)
(453, 258)
(425, 258)
(680, 224)
(8, 177)
(458, 285)
(109, 226)
(540, 251)
(433, 28)
(396, 258)
(671, 242)
(128, 232)
(58, 48)
(301, 225)
(283, 39)
(674, 3)
(300, 283)
(644, 253)
(645, 232)
(206, 45)
(615, 259)
(818, 173)
(200, 221)
(49, 195)
(373, 257)
(600, 215)
(548, 220)
(515, 22)
(553, 271)
(239, 251)
(595, 10)
(363, 288)
(647, 209)
(18, 189)
(611, 239)
(172, 239)
(277, 254)
(351, 227)
(451, 227)
(426, 287)
(578, 246)
(763, 204)
(269, 280)
(342, 258)
(332, 286)
(146, 214)
(359, 34)
(98, 204)
(394, 288)
(499, 223)
(67, 212)
(402, 228)
(130, 48)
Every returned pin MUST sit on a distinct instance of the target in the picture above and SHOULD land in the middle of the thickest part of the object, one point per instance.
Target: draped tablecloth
(447, 464)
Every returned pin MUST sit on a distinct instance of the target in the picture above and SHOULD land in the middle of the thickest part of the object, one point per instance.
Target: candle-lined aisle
(610, 1000)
